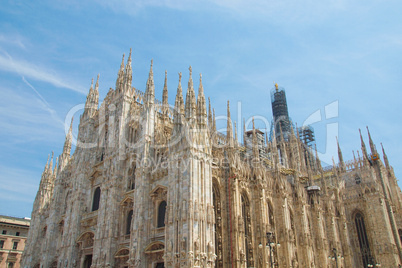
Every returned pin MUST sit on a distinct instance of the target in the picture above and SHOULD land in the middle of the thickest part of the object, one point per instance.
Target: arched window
(131, 179)
(245, 211)
(218, 226)
(363, 239)
(95, 203)
(161, 214)
(400, 234)
(128, 224)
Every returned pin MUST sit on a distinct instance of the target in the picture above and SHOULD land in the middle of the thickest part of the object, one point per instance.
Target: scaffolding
(260, 143)
(307, 136)
(280, 112)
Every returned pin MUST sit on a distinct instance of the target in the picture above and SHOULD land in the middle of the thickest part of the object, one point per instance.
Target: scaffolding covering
(307, 135)
(280, 112)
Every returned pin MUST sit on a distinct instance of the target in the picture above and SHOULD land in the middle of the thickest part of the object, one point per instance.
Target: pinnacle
(201, 88)
(97, 83)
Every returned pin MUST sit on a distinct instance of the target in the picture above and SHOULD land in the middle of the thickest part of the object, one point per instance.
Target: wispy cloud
(21, 187)
(12, 40)
(22, 113)
(24, 68)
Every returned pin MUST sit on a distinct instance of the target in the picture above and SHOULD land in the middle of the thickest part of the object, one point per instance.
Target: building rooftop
(15, 221)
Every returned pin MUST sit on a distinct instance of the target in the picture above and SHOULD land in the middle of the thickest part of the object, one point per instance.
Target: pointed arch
(96, 199)
(122, 253)
(128, 222)
(248, 237)
(86, 239)
(217, 203)
(362, 237)
(155, 247)
(121, 257)
(161, 214)
(400, 234)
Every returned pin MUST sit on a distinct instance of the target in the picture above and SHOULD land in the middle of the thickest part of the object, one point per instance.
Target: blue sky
(343, 55)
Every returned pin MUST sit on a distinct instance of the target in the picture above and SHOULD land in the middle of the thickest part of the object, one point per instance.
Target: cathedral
(152, 185)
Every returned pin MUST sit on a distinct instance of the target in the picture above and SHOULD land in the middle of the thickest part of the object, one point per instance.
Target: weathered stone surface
(136, 158)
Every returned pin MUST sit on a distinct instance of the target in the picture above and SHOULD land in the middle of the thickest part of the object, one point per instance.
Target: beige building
(150, 185)
(14, 232)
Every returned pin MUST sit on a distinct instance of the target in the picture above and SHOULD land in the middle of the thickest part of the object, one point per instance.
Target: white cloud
(23, 68)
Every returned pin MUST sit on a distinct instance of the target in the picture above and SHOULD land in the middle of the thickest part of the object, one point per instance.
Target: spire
(51, 163)
(358, 155)
(292, 132)
(179, 102)
(69, 137)
(255, 143)
(150, 89)
(244, 131)
(201, 105)
(91, 104)
(209, 114)
(213, 120)
(364, 150)
(229, 133)
(47, 164)
(235, 134)
(372, 146)
(385, 158)
(96, 93)
(190, 98)
(97, 83)
(55, 167)
(128, 76)
(165, 96)
(120, 76)
(341, 163)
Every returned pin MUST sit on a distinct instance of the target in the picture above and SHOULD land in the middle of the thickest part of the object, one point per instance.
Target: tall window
(161, 214)
(15, 245)
(363, 240)
(131, 179)
(400, 234)
(245, 209)
(1, 243)
(218, 226)
(95, 203)
(128, 224)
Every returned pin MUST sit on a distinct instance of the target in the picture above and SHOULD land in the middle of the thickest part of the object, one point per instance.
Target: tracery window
(161, 214)
(128, 223)
(363, 239)
(218, 226)
(400, 234)
(96, 199)
(245, 209)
